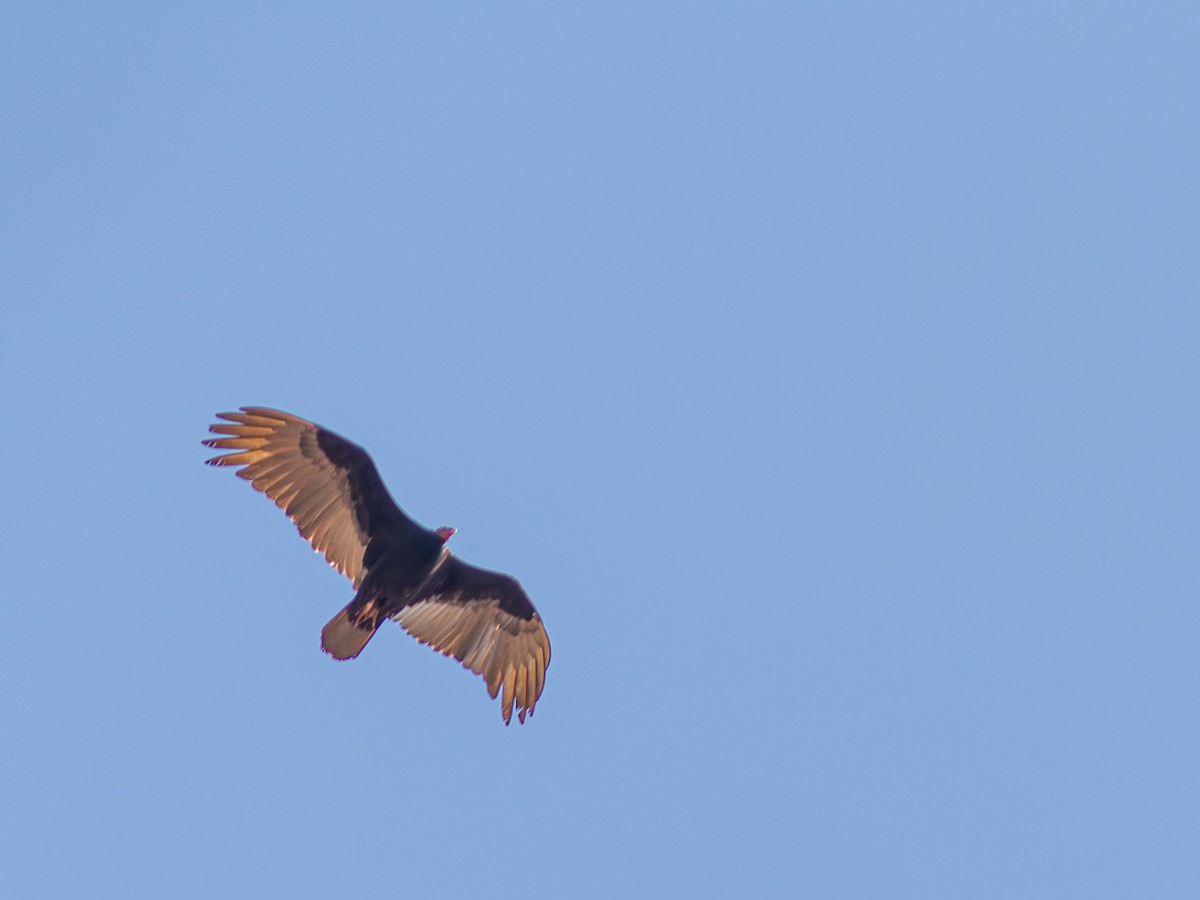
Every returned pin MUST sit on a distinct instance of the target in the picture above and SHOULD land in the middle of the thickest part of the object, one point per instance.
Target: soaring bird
(331, 490)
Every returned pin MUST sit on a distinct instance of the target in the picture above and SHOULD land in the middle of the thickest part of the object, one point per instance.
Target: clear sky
(826, 372)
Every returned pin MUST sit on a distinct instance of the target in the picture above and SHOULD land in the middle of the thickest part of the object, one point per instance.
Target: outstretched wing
(486, 621)
(328, 486)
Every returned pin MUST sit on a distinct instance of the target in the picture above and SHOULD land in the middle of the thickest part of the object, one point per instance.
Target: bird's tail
(346, 634)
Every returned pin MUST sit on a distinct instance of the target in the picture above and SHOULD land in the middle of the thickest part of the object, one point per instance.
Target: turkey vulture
(330, 488)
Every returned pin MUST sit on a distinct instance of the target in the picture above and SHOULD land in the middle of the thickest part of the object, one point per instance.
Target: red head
(445, 533)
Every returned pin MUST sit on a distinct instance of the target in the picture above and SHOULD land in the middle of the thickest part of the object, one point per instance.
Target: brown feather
(510, 653)
(280, 458)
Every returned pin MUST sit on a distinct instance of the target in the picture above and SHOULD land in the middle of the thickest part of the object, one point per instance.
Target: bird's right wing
(328, 486)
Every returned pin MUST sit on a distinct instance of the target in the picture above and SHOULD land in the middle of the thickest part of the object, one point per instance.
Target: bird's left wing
(486, 621)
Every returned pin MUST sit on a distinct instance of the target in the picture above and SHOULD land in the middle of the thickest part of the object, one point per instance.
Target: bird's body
(331, 490)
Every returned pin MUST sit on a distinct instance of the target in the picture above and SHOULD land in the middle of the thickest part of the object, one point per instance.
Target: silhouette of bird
(331, 490)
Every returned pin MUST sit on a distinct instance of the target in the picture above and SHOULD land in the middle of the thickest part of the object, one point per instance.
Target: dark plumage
(330, 488)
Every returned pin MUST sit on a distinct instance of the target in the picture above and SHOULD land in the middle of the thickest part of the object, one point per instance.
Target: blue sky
(826, 372)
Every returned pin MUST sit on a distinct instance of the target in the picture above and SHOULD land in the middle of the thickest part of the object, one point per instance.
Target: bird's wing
(486, 621)
(328, 486)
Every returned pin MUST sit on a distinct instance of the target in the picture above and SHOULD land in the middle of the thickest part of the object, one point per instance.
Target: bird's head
(445, 533)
